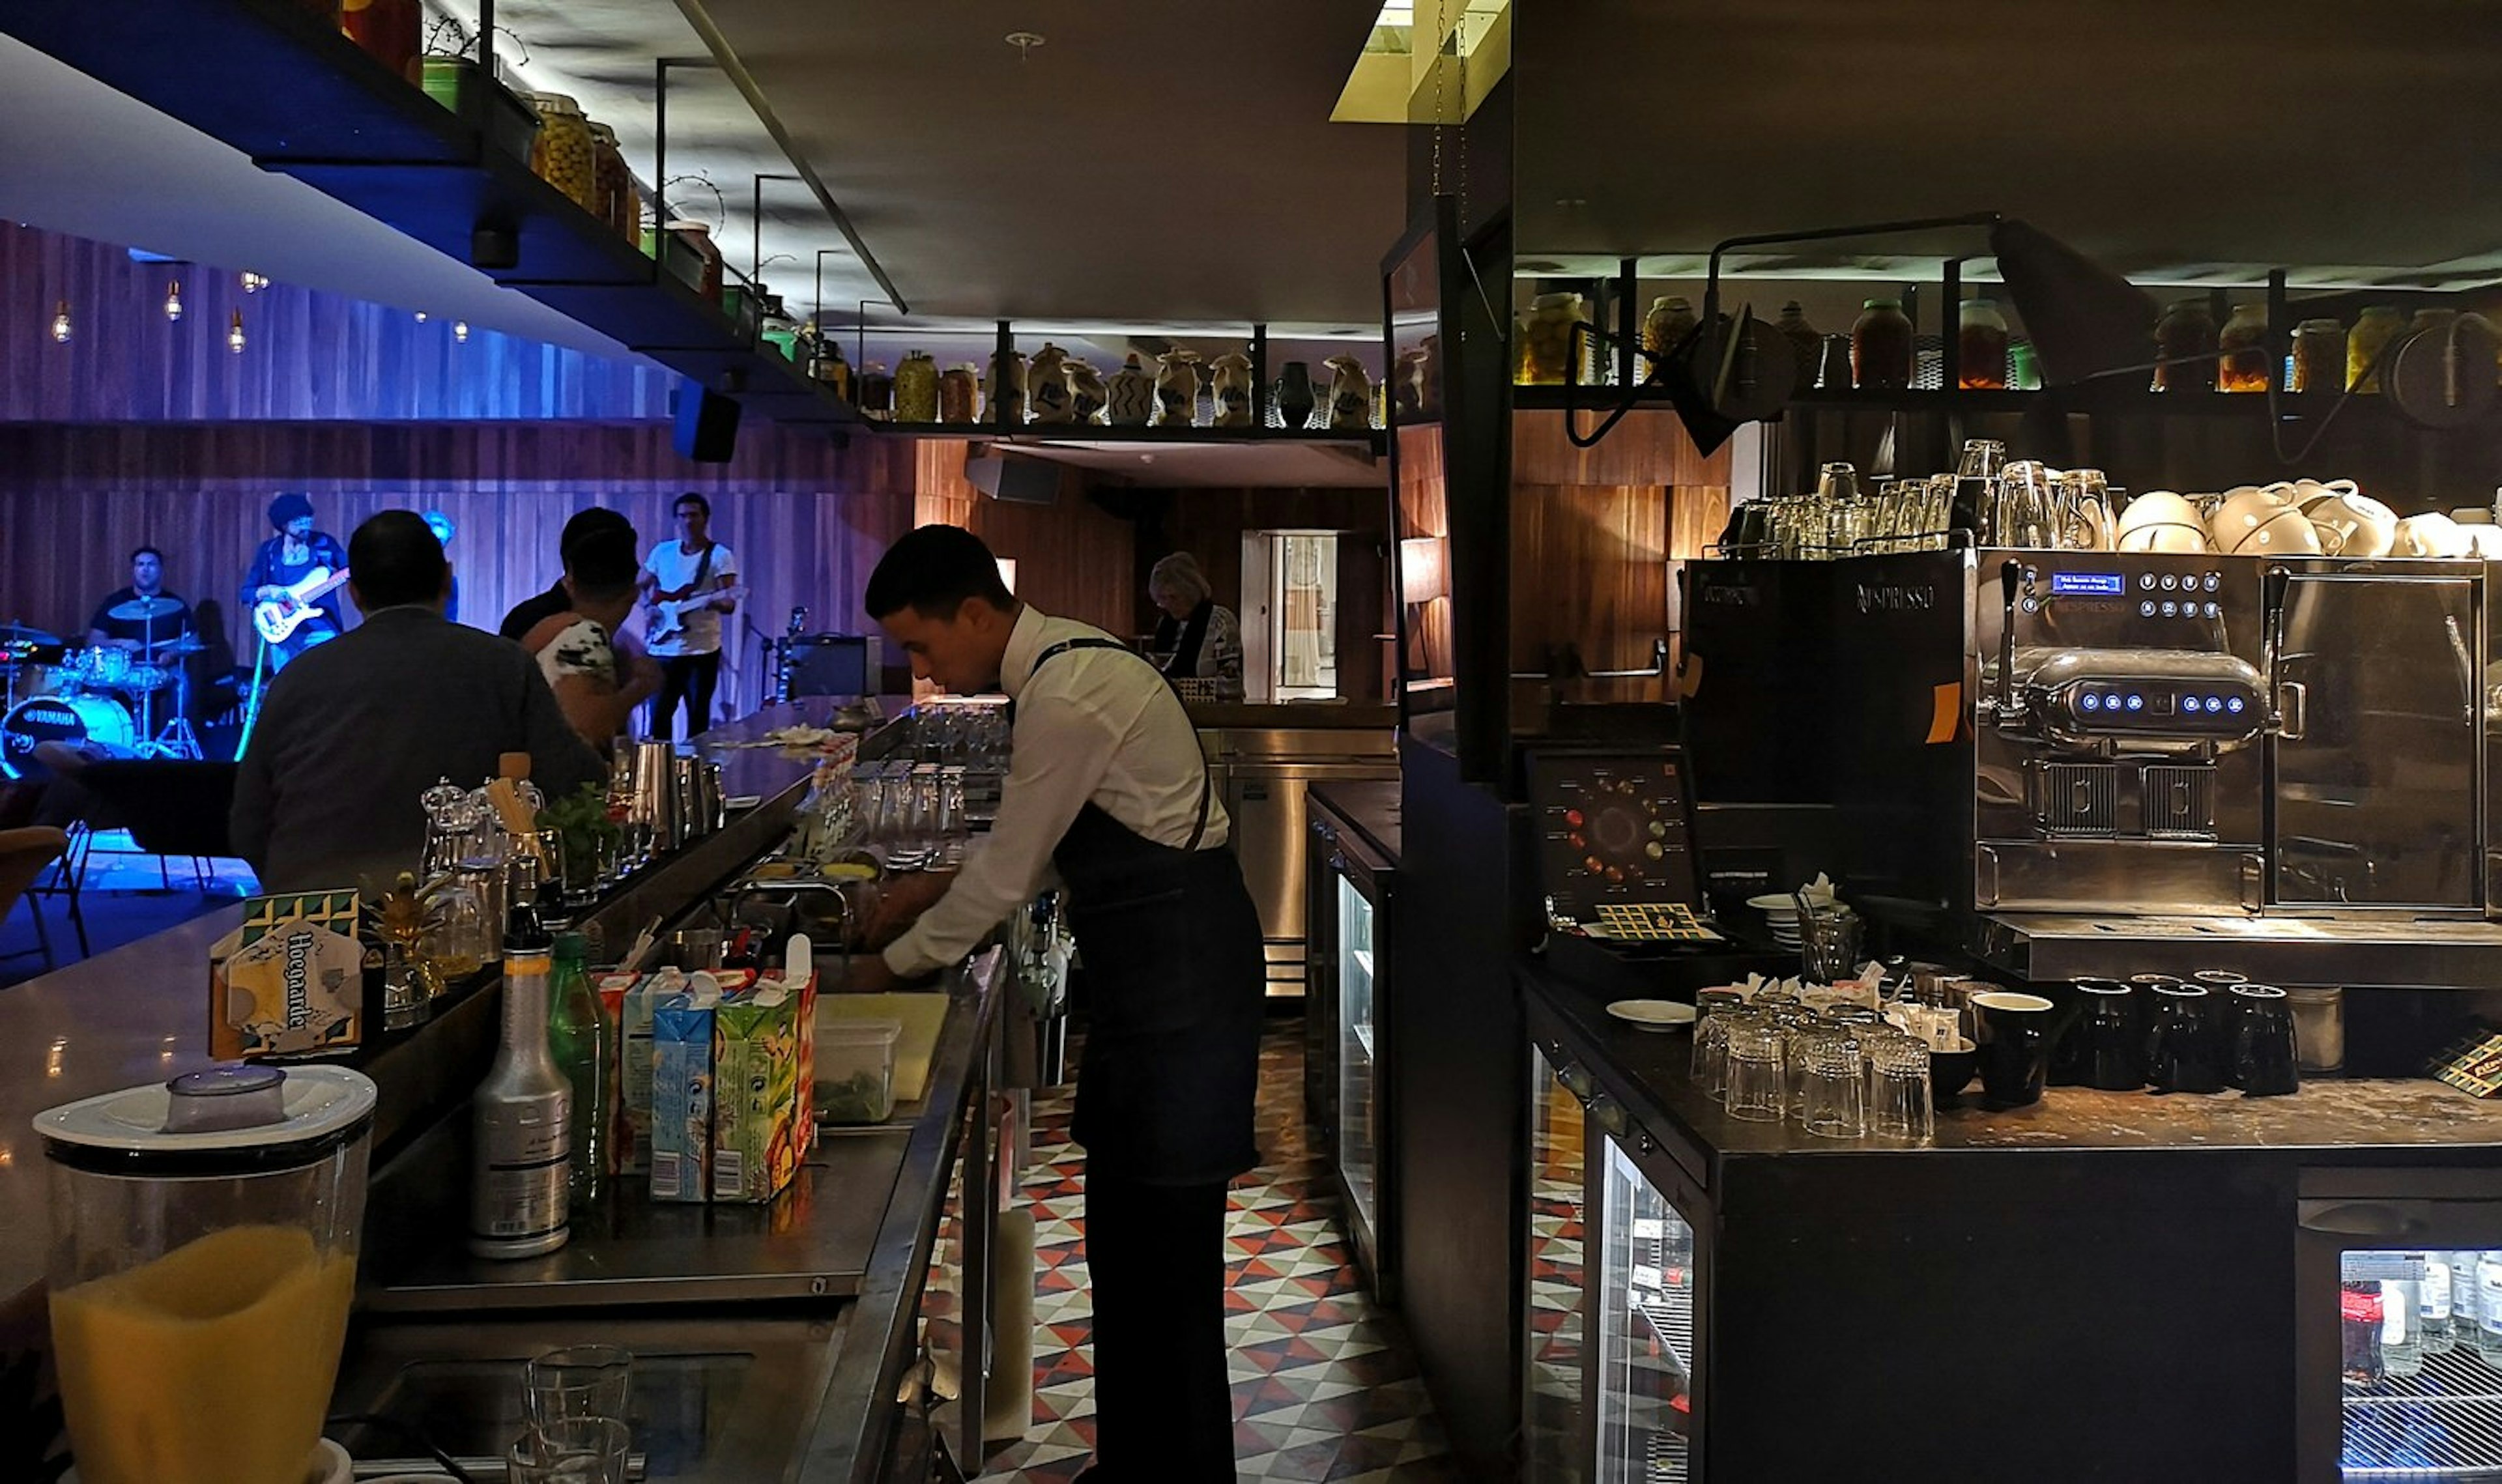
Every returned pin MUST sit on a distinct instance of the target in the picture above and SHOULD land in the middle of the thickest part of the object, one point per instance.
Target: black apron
(1177, 985)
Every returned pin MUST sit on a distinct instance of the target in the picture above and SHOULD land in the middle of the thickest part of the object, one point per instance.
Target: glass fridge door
(1555, 1447)
(1355, 1105)
(2419, 1357)
(1646, 1332)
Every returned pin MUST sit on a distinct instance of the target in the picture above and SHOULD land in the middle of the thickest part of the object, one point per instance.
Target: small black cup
(2262, 1044)
(2109, 1038)
(2185, 1049)
(2014, 1046)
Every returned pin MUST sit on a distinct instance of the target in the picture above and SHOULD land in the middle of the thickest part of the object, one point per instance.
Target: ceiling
(2194, 143)
(87, 161)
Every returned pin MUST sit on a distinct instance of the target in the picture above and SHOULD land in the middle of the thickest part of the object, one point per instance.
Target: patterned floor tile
(1325, 1385)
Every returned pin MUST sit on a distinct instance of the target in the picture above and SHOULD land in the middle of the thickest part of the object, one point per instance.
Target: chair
(23, 855)
(171, 806)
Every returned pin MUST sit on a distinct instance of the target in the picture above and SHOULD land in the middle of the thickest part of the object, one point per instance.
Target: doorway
(1289, 634)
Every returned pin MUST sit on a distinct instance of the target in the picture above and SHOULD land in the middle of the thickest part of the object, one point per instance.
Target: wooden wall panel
(306, 355)
(1589, 569)
(1075, 559)
(1648, 447)
(806, 520)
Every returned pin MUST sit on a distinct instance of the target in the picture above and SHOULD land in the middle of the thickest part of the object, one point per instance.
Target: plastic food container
(856, 1069)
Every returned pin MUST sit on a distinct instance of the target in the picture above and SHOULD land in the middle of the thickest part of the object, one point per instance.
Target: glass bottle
(1670, 320)
(522, 1116)
(1805, 344)
(2489, 1305)
(1880, 345)
(2186, 336)
(2433, 1304)
(2318, 356)
(2401, 1332)
(2359, 1317)
(2243, 364)
(915, 389)
(877, 392)
(578, 1039)
(1980, 347)
(2370, 335)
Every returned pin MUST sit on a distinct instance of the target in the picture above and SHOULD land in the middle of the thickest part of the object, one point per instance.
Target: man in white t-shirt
(685, 585)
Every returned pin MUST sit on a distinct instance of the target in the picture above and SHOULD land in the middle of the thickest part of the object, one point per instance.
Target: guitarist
(286, 560)
(690, 656)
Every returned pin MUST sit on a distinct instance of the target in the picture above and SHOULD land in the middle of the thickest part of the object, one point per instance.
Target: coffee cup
(2014, 1035)
(2184, 1051)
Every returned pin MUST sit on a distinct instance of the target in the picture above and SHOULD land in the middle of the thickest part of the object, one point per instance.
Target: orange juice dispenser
(203, 1257)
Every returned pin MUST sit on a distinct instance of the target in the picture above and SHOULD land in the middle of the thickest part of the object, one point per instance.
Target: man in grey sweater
(352, 732)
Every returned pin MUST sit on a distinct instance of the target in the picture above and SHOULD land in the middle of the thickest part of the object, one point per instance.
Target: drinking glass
(1801, 1031)
(1983, 458)
(1836, 1086)
(580, 1450)
(2025, 513)
(1714, 1011)
(1829, 943)
(1899, 1104)
(1758, 1083)
(579, 1382)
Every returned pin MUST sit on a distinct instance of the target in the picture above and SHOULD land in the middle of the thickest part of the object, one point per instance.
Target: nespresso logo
(1730, 595)
(1897, 597)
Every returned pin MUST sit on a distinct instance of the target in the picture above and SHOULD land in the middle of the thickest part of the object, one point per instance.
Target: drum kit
(104, 693)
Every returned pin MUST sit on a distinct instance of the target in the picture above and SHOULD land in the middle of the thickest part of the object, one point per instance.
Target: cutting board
(922, 1015)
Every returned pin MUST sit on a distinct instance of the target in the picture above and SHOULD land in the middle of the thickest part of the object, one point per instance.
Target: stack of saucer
(1782, 913)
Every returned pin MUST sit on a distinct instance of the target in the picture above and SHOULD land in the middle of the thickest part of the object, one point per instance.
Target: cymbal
(139, 610)
(20, 633)
(185, 644)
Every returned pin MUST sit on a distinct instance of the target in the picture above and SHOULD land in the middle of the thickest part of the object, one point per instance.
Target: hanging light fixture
(234, 333)
(420, 317)
(254, 282)
(61, 322)
(460, 331)
(174, 300)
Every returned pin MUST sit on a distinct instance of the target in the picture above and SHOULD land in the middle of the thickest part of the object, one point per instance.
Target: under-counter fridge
(1352, 893)
(2399, 1283)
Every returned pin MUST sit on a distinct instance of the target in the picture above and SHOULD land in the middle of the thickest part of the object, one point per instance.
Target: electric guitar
(668, 617)
(277, 618)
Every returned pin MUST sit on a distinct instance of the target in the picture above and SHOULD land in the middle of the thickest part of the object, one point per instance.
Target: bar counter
(761, 1366)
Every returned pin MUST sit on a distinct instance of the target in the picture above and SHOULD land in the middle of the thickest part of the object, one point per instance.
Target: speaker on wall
(707, 424)
(1016, 480)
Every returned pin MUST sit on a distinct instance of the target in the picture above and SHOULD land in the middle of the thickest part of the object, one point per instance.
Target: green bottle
(579, 1038)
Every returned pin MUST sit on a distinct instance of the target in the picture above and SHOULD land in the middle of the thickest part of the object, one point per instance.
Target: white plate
(1782, 903)
(1653, 1013)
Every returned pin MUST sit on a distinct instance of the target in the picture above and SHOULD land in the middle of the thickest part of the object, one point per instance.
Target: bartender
(1108, 793)
(1195, 639)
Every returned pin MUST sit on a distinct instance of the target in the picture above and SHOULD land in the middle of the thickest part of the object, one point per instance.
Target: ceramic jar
(1176, 387)
(1350, 404)
(1293, 396)
(1230, 379)
(915, 389)
(960, 392)
(1086, 396)
(1007, 390)
(1046, 382)
(1130, 399)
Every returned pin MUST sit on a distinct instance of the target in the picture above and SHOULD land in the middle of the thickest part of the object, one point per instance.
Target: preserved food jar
(915, 389)
(696, 235)
(828, 366)
(1880, 345)
(1805, 344)
(618, 204)
(877, 392)
(389, 31)
(2370, 335)
(959, 392)
(2318, 356)
(562, 155)
(1980, 347)
(1546, 338)
(1670, 320)
(2185, 335)
(2244, 365)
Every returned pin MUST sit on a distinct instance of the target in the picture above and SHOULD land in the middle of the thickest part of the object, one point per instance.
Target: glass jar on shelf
(1546, 339)
(699, 237)
(960, 392)
(562, 155)
(389, 31)
(1670, 320)
(1980, 347)
(2372, 333)
(619, 204)
(1880, 345)
(2318, 356)
(1805, 344)
(2243, 364)
(915, 389)
(827, 365)
(2184, 339)
(877, 392)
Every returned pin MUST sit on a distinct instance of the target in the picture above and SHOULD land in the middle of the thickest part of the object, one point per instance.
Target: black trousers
(1155, 1258)
(688, 676)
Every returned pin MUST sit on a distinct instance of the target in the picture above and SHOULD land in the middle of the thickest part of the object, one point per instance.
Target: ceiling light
(61, 322)
(254, 282)
(460, 331)
(234, 333)
(1024, 42)
(174, 300)
(420, 317)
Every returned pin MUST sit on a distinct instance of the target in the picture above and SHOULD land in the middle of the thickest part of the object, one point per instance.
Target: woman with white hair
(1195, 639)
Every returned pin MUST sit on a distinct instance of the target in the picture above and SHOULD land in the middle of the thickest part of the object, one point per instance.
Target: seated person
(598, 673)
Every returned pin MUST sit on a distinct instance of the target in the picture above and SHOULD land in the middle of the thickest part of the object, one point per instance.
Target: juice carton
(634, 1066)
(756, 1136)
(627, 1141)
(291, 980)
(681, 1094)
(806, 991)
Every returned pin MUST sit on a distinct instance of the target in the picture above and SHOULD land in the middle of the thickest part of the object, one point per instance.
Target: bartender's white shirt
(1094, 725)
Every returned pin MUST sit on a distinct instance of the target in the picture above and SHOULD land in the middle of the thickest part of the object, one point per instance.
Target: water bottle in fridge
(2433, 1303)
(2489, 1307)
(2401, 1325)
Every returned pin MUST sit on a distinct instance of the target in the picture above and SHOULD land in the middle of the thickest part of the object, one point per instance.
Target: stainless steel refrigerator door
(2382, 1394)
(1360, 1145)
(1648, 1332)
(2377, 783)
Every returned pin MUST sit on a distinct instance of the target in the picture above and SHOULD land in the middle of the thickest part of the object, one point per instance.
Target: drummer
(142, 615)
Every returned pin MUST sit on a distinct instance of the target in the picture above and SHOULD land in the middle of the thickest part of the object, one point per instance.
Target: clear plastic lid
(223, 1120)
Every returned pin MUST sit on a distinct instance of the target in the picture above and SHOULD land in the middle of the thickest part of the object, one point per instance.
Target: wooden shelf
(2090, 401)
(269, 78)
(1372, 440)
